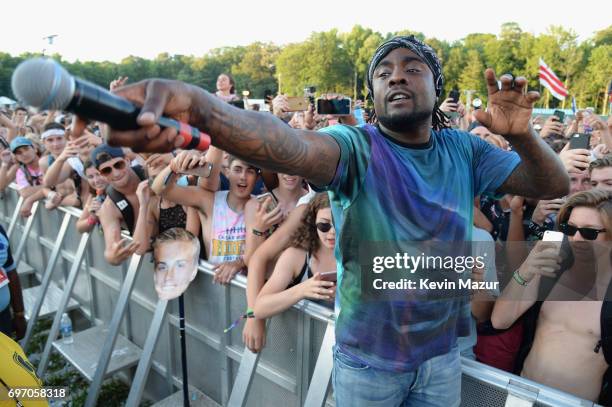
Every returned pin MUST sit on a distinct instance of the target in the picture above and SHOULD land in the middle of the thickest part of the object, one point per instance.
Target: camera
(309, 92)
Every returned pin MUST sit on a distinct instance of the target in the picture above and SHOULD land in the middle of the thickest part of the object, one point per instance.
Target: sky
(113, 29)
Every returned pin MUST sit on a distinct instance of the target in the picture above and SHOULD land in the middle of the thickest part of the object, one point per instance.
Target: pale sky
(112, 29)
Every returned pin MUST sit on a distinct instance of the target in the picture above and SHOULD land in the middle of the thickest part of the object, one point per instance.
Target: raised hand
(186, 160)
(509, 108)
(543, 260)
(551, 127)
(143, 192)
(575, 160)
(117, 83)
(266, 219)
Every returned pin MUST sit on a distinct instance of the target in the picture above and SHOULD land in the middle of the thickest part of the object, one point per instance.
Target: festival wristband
(248, 314)
(259, 233)
(517, 277)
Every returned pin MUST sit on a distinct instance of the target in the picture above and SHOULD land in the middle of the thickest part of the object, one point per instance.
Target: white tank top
(228, 231)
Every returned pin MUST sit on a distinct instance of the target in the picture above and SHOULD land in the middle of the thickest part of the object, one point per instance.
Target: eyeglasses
(324, 226)
(587, 233)
(119, 165)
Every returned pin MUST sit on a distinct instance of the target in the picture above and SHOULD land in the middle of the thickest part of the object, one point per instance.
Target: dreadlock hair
(439, 120)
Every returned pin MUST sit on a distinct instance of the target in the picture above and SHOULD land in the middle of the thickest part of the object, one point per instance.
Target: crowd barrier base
(130, 327)
(196, 399)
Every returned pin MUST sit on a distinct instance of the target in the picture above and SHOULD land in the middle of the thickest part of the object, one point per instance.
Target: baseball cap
(20, 142)
(104, 153)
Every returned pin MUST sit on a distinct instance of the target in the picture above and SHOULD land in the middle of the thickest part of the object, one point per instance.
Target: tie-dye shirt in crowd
(384, 191)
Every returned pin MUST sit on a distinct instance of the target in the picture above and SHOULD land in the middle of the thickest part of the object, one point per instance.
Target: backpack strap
(121, 202)
(33, 181)
(140, 171)
(124, 206)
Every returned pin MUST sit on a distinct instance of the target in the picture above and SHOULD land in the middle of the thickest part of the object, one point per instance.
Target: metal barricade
(293, 369)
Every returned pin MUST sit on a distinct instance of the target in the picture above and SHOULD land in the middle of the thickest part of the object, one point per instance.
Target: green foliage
(338, 62)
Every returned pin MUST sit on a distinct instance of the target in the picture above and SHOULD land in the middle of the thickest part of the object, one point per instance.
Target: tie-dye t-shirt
(387, 192)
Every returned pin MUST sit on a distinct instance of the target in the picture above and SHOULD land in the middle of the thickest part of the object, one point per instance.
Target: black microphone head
(43, 83)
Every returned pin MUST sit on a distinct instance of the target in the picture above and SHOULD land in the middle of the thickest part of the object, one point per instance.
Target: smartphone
(558, 237)
(560, 115)
(268, 96)
(329, 276)
(3, 142)
(271, 206)
(297, 103)
(580, 140)
(553, 236)
(237, 103)
(335, 107)
(454, 94)
(202, 171)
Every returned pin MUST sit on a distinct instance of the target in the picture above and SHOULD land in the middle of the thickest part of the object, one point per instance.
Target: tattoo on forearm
(267, 142)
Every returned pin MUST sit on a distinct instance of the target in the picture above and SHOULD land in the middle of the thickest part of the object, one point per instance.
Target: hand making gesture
(509, 109)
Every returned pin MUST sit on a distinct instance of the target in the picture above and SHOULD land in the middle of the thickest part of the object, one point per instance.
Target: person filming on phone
(565, 328)
(221, 213)
(406, 179)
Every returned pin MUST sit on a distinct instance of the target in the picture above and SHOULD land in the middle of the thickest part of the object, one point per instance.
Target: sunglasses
(587, 233)
(324, 226)
(119, 165)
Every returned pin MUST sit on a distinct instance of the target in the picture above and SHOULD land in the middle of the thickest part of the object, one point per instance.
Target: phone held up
(580, 140)
(272, 205)
(297, 103)
(560, 115)
(329, 276)
(335, 107)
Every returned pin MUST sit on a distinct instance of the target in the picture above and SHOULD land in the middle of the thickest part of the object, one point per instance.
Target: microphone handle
(93, 102)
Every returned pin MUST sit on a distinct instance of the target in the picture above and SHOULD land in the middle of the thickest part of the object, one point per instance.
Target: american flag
(550, 81)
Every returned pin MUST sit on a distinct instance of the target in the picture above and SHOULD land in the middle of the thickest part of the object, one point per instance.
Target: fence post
(46, 279)
(70, 281)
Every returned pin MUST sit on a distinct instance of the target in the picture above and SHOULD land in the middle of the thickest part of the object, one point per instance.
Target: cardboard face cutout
(176, 265)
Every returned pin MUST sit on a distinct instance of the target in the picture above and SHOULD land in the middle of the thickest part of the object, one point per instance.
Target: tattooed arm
(540, 173)
(266, 141)
(258, 138)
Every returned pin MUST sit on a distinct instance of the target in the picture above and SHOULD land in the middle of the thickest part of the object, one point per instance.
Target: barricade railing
(310, 385)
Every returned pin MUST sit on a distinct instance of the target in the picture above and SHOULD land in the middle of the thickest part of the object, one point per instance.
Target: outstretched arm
(540, 173)
(260, 139)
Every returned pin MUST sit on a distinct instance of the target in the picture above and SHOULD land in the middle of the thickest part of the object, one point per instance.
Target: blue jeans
(437, 382)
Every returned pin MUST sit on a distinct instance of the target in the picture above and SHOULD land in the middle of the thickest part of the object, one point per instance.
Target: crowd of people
(289, 222)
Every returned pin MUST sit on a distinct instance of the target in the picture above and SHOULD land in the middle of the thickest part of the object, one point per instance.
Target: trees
(338, 62)
(321, 61)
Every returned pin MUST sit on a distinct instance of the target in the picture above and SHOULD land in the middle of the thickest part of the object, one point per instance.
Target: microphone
(46, 85)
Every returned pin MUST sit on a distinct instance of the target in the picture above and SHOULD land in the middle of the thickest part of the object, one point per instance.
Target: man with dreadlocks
(406, 179)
